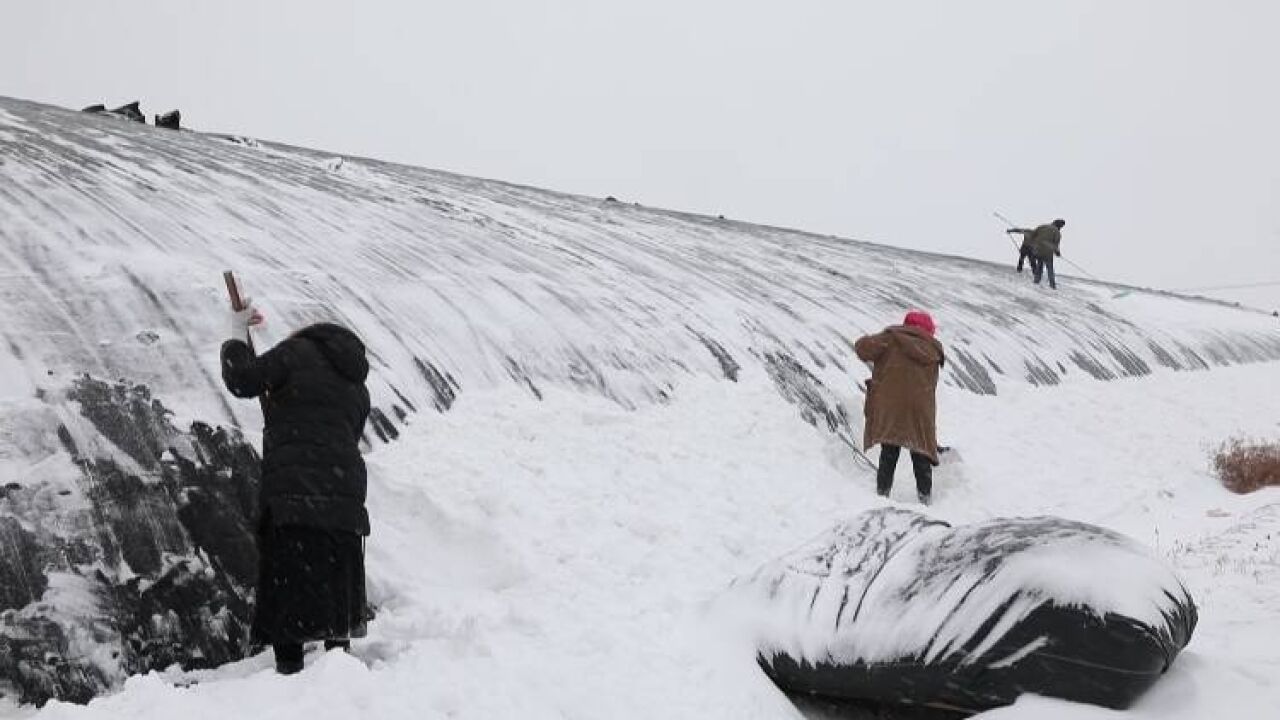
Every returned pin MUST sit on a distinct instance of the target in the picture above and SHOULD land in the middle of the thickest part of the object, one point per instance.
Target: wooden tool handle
(233, 290)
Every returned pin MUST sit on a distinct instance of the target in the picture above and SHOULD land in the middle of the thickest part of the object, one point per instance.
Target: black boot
(288, 657)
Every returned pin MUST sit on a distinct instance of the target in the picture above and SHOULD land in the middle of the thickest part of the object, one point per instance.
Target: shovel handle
(233, 290)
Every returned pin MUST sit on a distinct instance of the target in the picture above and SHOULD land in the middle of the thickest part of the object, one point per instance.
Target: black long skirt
(310, 585)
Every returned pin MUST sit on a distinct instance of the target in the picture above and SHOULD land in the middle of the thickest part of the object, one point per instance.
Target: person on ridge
(312, 524)
(901, 404)
(1024, 252)
(1041, 246)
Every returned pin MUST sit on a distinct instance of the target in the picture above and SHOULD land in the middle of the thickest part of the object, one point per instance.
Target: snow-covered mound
(895, 606)
(113, 236)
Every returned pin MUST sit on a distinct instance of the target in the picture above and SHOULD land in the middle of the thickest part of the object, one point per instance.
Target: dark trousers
(310, 585)
(1038, 270)
(289, 654)
(889, 462)
(1024, 255)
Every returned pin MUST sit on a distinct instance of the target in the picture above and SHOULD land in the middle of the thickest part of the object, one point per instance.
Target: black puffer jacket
(315, 405)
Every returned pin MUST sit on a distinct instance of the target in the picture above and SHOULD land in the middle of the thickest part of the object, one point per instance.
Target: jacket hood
(341, 348)
(917, 344)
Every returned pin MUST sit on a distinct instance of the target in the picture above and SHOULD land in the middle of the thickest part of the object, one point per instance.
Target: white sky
(1152, 126)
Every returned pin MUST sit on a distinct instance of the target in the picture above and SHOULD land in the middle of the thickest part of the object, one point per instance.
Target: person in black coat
(313, 521)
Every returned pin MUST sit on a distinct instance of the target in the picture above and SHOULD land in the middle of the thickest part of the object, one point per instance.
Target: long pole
(1006, 221)
(1086, 273)
(857, 453)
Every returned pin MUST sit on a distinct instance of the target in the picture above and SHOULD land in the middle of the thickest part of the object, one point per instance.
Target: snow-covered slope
(113, 229)
(126, 475)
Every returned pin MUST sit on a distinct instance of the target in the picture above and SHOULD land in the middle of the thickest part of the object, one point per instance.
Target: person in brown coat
(901, 408)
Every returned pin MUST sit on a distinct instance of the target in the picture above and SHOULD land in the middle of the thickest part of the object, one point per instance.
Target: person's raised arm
(869, 348)
(245, 374)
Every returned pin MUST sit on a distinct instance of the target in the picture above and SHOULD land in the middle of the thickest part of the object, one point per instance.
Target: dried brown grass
(1244, 466)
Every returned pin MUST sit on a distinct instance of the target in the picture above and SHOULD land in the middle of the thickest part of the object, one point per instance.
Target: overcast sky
(1152, 126)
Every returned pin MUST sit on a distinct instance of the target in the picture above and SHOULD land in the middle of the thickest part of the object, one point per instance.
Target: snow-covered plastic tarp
(894, 606)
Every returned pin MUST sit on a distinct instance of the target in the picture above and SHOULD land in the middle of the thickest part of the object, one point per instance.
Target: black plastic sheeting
(1060, 649)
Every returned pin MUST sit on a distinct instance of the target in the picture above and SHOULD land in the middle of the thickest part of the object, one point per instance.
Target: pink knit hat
(920, 319)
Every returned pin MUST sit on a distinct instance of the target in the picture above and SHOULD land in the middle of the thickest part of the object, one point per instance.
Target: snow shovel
(233, 293)
(237, 304)
(948, 455)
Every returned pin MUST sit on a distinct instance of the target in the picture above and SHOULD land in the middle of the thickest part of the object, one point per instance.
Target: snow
(892, 584)
(559, 559)
(115, 228)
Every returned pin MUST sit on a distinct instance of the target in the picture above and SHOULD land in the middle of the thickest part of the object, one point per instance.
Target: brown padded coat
(901, 408)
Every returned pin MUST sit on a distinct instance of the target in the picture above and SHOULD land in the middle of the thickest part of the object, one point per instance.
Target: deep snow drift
(553, 352)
